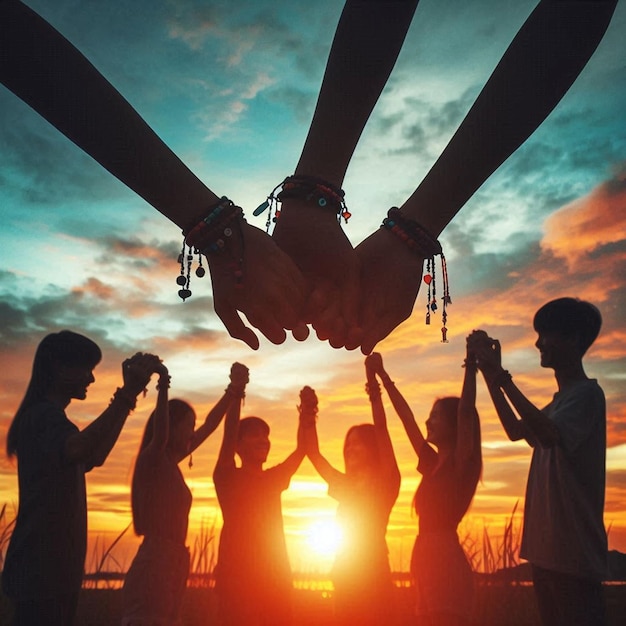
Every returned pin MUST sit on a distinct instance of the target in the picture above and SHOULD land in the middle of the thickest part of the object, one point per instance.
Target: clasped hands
(308, 273)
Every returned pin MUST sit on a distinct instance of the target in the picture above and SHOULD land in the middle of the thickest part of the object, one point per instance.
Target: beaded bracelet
(373, 390)
(310, 188)
(124, 397)
(208, 236)
(502, 378)
(420, 241)
(235, 391)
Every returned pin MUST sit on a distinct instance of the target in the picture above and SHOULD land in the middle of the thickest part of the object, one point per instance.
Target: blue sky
(231, 88)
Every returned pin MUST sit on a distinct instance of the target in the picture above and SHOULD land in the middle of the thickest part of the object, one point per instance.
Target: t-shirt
(443, 495)
(46, 554)
(563, 514)
(363, 513)
(252, 555)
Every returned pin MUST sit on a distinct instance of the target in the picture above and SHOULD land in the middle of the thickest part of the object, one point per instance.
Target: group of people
(563, 538)
(289, 281)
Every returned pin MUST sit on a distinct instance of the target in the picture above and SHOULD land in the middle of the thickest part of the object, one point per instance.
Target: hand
(239, 375)
(272, 294)
(487, 352)
(374, 364)
(315, 241)
(308, 403)
(391, 275)
(137, 370)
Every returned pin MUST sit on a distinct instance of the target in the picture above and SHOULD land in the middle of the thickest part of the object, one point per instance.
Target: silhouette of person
(450, 462)
(563, 538)
(542, 62)
(252, 577)
(366, 492)
(156, 580)
(43, 570)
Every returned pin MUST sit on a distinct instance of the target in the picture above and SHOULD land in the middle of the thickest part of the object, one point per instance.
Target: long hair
(57, 349)
(450, 406)
(177, 410)
(367, 434)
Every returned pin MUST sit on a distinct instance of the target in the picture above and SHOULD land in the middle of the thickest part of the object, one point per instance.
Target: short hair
(251, 424)
(568, 317)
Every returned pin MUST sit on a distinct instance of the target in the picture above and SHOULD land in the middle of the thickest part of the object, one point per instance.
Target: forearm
(231, 429)
(367, 42)
(536, 422)
(540, 65)
(468, 426)
(161, 425)
(93, 444)
(46, 71)
(212, 420)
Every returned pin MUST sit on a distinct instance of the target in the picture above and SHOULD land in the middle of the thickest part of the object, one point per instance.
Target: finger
(374, 335)
(316, 303)
(235, 326)
(350, 301)
(300, 332)
(265, 321)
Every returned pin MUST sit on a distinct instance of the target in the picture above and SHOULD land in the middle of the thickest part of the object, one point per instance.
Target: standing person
(450, 462)
(564, 538)
(155, 582)
(252, 576)
(44, 564)
(366, 493)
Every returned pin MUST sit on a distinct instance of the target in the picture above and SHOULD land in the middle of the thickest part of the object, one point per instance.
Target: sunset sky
(231, 88)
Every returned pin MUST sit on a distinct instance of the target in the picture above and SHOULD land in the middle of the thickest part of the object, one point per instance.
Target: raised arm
(236, 391)
(308, 410)
(93, 444)
(402, 408)
(468, 450)
(365, 47)
(536, 71)
(52, 76)
(534, 425)
(374, 365)
(239, 377)
(161, 424)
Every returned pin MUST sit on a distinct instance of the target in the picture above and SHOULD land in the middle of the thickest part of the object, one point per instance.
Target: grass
(498, 602)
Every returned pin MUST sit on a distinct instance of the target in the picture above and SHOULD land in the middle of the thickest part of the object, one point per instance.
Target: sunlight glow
(324, 537)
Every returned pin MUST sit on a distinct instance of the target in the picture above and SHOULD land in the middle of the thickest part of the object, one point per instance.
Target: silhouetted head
(569, 318)
(64, 362)
(182, 422)
(360, 449)
(441, 425)
(253, 440)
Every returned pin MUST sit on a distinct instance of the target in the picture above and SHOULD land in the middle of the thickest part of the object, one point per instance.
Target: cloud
(581, 231)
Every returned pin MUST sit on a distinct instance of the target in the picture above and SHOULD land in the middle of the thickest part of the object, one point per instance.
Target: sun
(324, 537)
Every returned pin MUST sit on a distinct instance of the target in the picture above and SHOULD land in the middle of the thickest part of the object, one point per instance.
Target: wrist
(235, 390)
(123, 396)
(302, 192)
(501, 378)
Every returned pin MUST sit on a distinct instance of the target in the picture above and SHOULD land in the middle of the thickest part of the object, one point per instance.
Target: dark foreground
(497, 605)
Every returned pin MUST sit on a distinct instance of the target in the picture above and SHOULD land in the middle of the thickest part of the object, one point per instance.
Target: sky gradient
(231, 88)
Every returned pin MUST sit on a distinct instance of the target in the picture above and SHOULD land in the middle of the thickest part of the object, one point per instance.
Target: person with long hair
(161, 500)
(366, 492)
(43, 570)
(450, 462)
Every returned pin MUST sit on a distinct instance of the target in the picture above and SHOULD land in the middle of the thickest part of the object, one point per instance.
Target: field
(497, 605)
